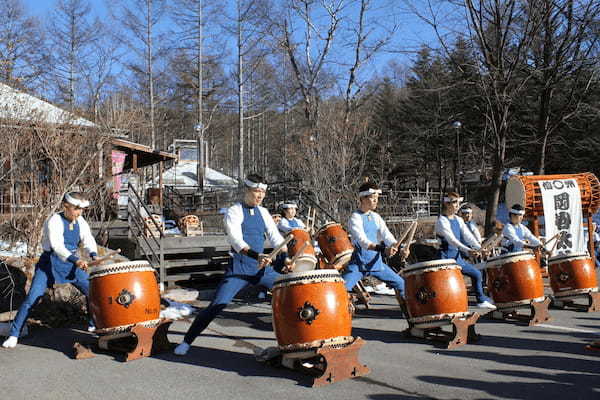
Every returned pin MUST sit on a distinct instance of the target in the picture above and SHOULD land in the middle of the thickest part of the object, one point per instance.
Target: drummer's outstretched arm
(442, 228)
(510, 234)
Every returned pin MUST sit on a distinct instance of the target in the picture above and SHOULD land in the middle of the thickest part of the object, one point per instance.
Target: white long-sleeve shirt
(444, 229)
(53, 238)
(355, 225)
(516, 235)
(234, 217)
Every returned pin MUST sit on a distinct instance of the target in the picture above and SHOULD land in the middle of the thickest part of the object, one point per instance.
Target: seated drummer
(466, 213)
(371, 238)
(246, 224)
(516, 235)
(289, 220)
(456, 238)
(59, 262)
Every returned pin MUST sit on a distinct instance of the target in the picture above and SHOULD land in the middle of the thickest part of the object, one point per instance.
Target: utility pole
(201, 165)
(240, 97)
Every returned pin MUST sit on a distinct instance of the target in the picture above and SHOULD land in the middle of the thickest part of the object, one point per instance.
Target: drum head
(327, 225)
(430, 264)
(509, 258)
(315, 274)
(567, 257)
(120, 268)
(515, 192)
(305, 263)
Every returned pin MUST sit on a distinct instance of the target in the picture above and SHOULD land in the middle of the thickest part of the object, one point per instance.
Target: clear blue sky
(411, 34)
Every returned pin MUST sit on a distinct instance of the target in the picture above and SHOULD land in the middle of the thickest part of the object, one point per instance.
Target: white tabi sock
(11, 342)
(182, 349)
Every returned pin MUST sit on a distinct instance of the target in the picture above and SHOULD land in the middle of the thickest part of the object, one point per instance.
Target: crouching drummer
(455, 238)
(59, 262)
(372, 239)
(246, 224)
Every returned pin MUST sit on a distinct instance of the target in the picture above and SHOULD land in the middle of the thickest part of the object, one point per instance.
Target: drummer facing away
(372, 239)
(289, 220)
(246, 224)
(59, 262)
(457, 238)
(516, 235)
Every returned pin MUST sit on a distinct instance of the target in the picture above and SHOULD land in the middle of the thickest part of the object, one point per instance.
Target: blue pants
(385, 274)
(226, 291)
(40, 283)
(476, 279)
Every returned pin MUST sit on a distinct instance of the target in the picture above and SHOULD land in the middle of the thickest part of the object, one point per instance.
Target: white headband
(517, 212)
(466, 210)
(255, 185)
(368, 192)
(76, 202)
(289, 205)
(450, 199)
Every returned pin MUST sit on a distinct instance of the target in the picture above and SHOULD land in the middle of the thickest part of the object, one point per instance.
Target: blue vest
(368, 260)
(253, 232)
(446, 249)
(63, 271)
(293, 223)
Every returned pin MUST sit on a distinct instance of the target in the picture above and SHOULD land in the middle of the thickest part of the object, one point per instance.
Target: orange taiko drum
(124, 294)
(335, 244)
(311, 309)
(525, 190)
(514, 279)
(307, 260)
(435, 292)
(572, 275)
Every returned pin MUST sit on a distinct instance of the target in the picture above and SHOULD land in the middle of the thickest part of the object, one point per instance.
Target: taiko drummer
(59, 262)
(372, 239)
(455, 238)
(516, 235)
(246, 224)
(289, 220)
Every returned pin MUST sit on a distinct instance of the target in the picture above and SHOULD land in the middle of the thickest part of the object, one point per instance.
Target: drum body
(335, 244)
(307, 260)
(311, 309)
(572, 275)
(435, 292)
(514, 279)
(124, 294)
(525, 190)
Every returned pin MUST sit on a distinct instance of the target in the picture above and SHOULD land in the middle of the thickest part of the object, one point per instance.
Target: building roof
(145, 155)
(19, 106)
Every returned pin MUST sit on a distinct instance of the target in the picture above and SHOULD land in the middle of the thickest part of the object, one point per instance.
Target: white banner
(562, 215)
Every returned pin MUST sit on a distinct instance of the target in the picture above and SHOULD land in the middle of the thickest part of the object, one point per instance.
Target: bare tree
(140, 18)
(22, 57)
(71, 34)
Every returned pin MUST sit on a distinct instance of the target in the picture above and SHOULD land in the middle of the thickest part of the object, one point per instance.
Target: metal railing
(138, 230)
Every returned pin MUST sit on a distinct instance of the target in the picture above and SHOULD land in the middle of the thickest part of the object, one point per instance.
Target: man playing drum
(59, 262)
(371, 238)
(289, 220)
(246, 224)
(456, 238)
(517, 236)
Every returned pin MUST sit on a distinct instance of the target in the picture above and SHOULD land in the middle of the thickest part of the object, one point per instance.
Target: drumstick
(277, 249)
(100, 260)
(299, 253)
(308, 218)
(404, 235)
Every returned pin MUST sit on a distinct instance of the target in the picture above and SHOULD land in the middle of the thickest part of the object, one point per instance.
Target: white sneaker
(486, 304)
(182, 349)
(369, 289)
(91, 328)
(10, 343)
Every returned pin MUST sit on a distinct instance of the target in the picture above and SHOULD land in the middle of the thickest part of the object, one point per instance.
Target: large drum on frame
(514, 279)
(572, 275)
(307, 260)
(525, 190)
(335, 244)
(124, 294)
(311, 309)
(435, 293)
